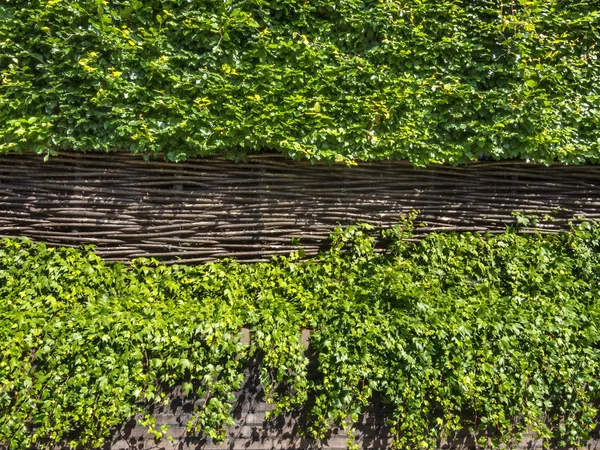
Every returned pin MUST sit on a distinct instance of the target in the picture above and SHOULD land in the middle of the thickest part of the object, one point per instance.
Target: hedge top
(431, 81)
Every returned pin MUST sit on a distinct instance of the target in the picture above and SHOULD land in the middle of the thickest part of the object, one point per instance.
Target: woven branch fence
(202, 210)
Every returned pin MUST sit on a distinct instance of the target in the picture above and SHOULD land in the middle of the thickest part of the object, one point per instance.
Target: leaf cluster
(333, 80)
(495, 334)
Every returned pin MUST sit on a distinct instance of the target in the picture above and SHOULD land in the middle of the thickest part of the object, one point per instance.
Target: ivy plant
(493, 334)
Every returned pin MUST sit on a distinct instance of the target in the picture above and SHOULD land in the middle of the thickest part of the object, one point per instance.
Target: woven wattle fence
(205, 209)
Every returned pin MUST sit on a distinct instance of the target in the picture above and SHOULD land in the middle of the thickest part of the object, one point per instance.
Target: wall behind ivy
(252, 429)
(425, 80)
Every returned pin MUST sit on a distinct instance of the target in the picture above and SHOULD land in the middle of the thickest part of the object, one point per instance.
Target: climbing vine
(496, 334)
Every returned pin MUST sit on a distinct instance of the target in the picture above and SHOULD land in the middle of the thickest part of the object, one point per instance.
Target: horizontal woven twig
(212, 208)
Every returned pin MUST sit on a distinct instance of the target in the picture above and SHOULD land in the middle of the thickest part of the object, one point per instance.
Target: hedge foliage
(497, 334)
(337, 80)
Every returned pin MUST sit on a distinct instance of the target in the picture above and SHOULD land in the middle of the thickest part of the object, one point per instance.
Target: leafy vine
(495, 334)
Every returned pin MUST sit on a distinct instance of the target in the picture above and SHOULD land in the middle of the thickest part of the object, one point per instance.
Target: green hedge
(497, 334)
(426, 80)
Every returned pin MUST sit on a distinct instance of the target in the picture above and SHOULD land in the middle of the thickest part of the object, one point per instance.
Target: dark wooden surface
(202, 210)
(253, 431)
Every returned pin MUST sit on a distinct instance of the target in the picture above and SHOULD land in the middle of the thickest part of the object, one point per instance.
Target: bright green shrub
(427, 80)
(497, 334)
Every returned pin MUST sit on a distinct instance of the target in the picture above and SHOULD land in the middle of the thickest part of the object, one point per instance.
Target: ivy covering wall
(496, 334)
(426, 80)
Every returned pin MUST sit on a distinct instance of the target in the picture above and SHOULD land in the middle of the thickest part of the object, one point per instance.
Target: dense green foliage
(334, 80)
(494, 333)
